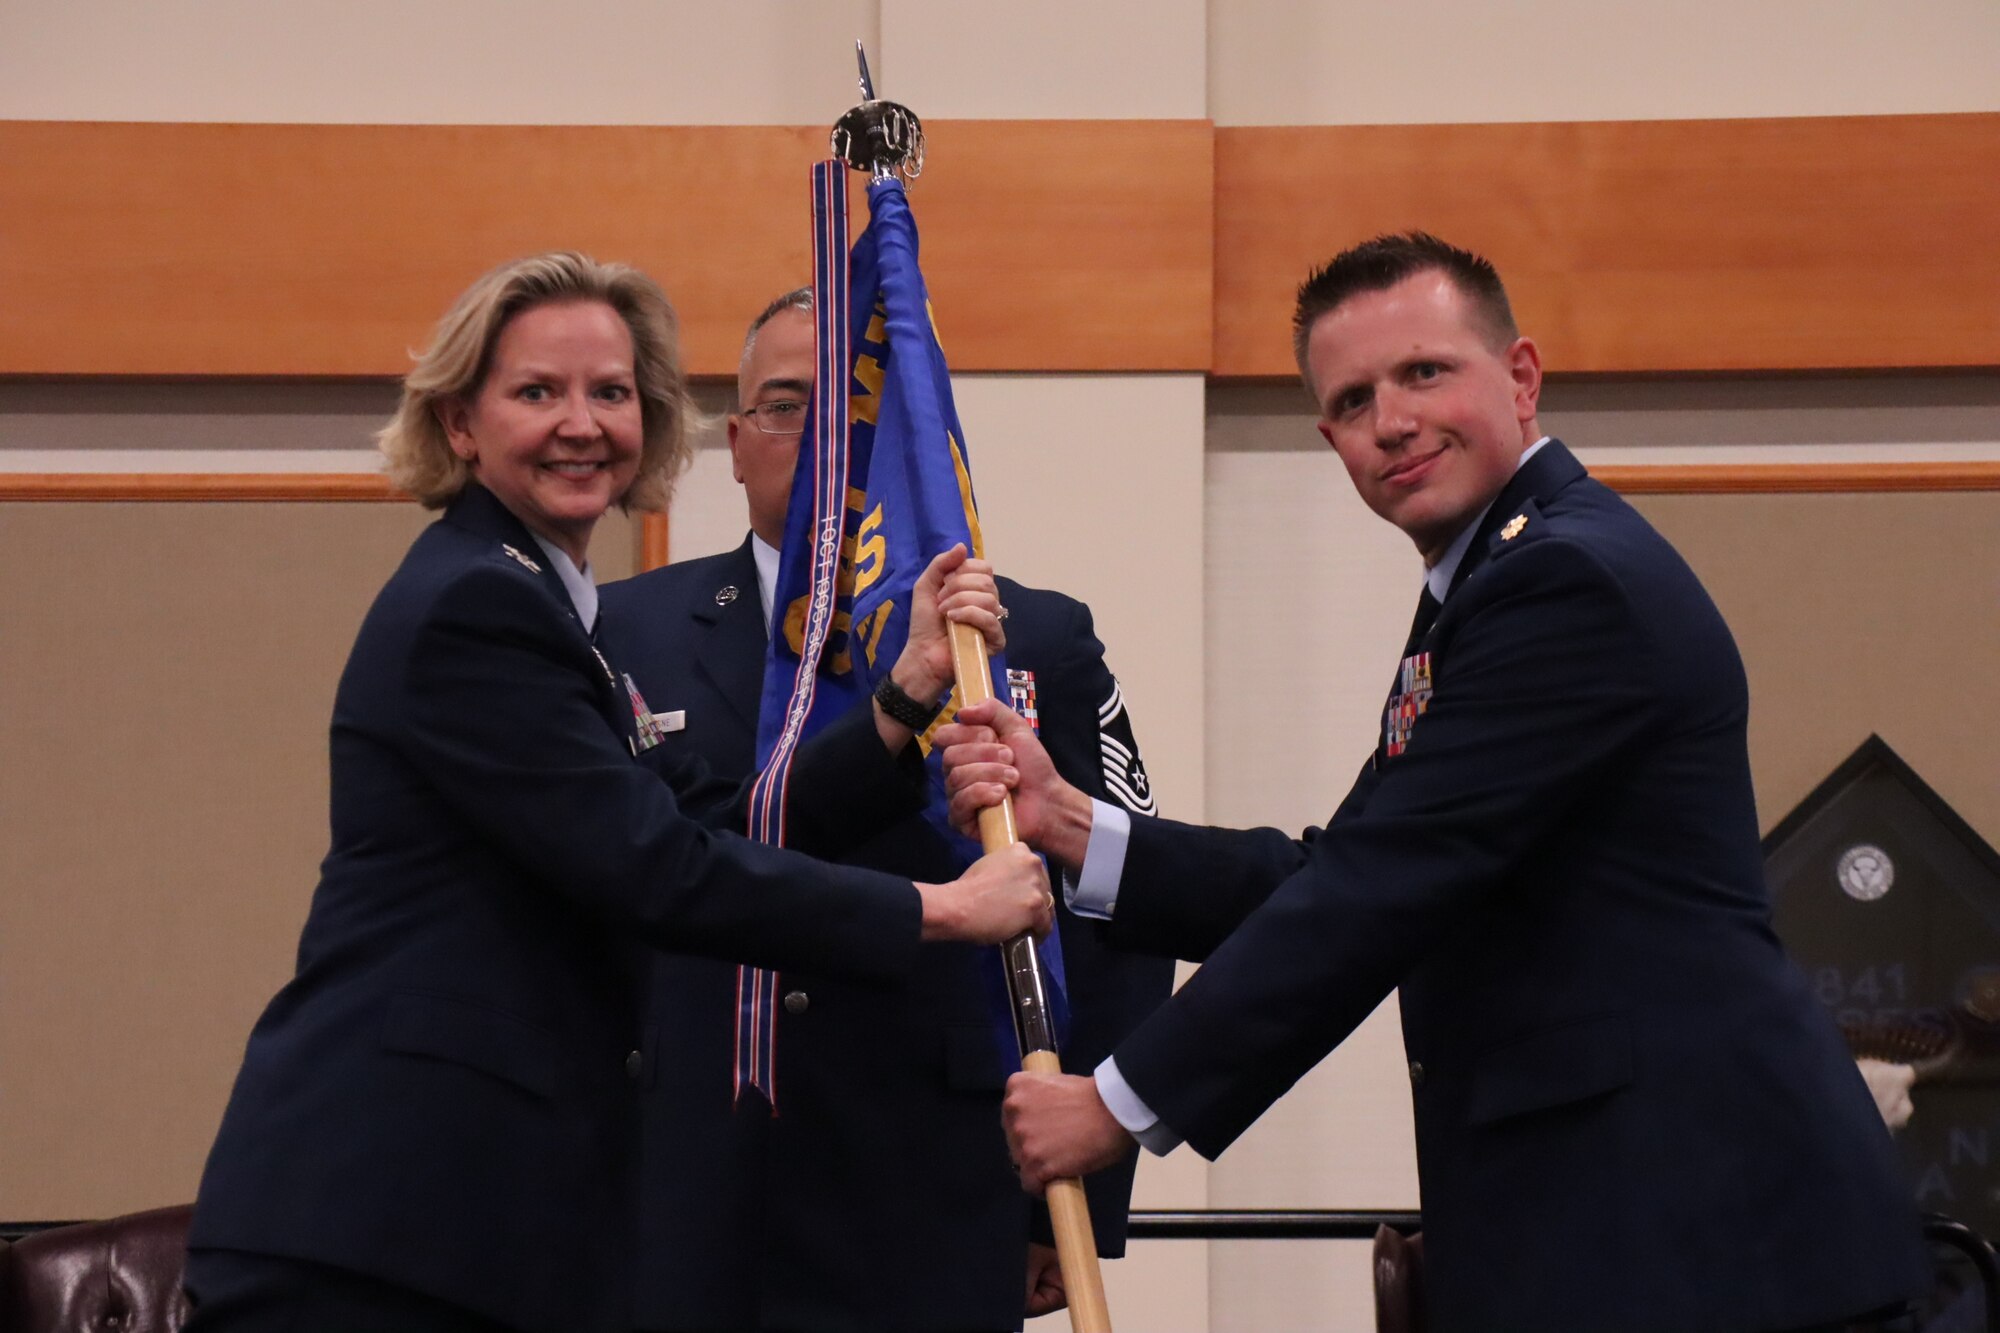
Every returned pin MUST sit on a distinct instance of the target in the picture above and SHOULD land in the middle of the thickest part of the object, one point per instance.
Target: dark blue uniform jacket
(446, 1094)
(880, 1197)
(1630, 1113)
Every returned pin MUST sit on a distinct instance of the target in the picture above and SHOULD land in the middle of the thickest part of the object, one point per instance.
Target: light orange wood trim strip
(265, 486)
(1791, 478)
(1807, 243)
(1719, 245)
(1642, 479)
(221, 249)
(652, 541)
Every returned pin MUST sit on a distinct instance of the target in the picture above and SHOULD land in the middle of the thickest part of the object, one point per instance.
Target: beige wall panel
(1092, 485)
(1342, 1138)
(493, 62)
(689, 62)
(1162, 1285)
(1309, 598)
(166, 678)
(1274, 62)
(1327, 1286)
(1857, 614)
(1817, 419)
(217, 417)
(709, 513)
(1047, 59)
(168, 674)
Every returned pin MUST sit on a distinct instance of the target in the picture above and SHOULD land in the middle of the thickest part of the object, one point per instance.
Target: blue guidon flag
(882, 486)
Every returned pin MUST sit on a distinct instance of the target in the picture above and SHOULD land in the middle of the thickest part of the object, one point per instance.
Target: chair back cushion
(123, 1273)
(1399, 1281)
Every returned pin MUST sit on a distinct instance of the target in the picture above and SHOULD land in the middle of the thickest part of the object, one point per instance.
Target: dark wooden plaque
(1891, 904)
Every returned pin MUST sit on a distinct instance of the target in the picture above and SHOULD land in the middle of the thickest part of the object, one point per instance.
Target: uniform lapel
(1553, 468)
(478, 511)
(729, 638)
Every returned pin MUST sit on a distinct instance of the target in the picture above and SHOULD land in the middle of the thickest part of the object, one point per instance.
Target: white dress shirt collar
(576, 582)
(1438, 577)
(766, 556)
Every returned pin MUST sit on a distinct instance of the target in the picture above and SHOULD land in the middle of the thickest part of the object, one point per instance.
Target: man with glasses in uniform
(877, 1194)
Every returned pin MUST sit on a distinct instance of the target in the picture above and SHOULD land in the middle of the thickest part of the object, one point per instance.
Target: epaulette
(1523, 526)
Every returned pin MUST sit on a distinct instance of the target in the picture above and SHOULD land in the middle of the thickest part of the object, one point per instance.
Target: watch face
(1865, 872)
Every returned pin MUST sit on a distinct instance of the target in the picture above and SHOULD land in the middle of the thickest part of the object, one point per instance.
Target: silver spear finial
(881, 138)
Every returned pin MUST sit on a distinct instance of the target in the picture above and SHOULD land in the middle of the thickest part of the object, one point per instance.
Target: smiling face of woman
(555, 428)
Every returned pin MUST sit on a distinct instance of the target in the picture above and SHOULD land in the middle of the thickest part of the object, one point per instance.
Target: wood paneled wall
(1628, 478)
(1815, 243)
(1832, 243)
(330, 250)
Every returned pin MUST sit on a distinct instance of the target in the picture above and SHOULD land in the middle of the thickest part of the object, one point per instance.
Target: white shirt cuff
(1129, 1111)
(1094, 893)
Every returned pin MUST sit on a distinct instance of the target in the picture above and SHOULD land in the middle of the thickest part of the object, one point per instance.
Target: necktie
(1427, 614)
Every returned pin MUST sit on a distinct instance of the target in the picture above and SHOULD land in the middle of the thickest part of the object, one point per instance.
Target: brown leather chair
(1399, 1281)
(123, 1274)
(1399, 1278)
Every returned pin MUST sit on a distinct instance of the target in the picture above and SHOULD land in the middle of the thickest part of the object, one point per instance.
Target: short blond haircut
(417, 451)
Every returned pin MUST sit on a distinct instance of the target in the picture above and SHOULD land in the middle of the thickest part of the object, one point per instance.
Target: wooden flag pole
(886, 140)
(1069, 1210)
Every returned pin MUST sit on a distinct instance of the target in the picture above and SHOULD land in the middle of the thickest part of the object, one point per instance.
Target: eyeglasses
(784, 417)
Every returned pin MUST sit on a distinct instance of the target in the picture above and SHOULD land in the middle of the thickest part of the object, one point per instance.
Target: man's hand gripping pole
(1069, 1210)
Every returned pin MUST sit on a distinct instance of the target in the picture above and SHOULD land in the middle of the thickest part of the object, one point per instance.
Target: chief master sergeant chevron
(1630, 1114)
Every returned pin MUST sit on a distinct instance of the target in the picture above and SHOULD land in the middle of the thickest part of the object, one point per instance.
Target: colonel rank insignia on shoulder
(1125, 777)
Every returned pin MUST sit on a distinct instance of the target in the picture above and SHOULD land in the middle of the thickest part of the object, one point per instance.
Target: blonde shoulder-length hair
(418, 454)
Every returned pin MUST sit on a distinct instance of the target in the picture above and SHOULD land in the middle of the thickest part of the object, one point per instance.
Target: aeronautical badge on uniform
(1410, 701)
(1021, 687)
(650, 729)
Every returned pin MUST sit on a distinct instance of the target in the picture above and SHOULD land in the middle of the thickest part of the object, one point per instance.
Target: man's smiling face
(1429, 416)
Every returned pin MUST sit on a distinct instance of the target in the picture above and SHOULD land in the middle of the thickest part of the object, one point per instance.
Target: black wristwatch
(898, 704)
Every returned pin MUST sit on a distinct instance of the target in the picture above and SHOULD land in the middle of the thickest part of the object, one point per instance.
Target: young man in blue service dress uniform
(879, 1195)
(1630, 1114)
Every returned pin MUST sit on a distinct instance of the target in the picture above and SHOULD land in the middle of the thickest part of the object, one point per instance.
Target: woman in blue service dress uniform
(436, 1120)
